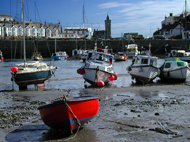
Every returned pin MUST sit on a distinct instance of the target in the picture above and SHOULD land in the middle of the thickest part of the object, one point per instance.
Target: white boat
(120, 56)
(131, 50)
(144, 68)
(59, 55)
(76, 54)
(98, 69)
(31, 72)
(84, 55)
(175, 70)
(181, 54)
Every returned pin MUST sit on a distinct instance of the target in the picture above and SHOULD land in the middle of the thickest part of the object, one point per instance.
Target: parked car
(139, 37)
(159, 37)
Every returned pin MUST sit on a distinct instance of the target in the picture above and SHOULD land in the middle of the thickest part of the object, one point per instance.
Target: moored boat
(31, 72)
(144, 69)
(120, 56)
(181, 54)
(174, 70)
(61, 55)
(36, 56)
(131, 50)
(69, 114)
(98, 69)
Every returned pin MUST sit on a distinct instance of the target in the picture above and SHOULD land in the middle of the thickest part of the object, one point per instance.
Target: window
(144, 61)
(167, 65)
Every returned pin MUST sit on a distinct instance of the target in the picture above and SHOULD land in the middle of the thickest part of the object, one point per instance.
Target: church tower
(107, 27)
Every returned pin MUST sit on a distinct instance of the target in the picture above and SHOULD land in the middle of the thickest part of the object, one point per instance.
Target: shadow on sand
(36, 133)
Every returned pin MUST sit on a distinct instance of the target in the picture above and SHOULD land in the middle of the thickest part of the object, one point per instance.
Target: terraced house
(12, 28)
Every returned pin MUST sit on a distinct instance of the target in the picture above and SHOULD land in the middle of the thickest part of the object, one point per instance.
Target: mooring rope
(79, 124)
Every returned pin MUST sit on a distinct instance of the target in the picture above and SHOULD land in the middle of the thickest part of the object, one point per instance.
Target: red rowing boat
(69, 114)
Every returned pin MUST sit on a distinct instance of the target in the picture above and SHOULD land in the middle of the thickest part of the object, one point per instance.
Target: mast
(23, 33)
(84, 28)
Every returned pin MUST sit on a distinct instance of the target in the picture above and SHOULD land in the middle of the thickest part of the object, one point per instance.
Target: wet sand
(137, 113)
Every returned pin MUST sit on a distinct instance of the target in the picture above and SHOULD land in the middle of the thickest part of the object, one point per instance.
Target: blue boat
(61, 55)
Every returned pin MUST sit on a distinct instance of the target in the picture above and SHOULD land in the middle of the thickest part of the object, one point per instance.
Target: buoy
(111, 78)
(101, 84)
(81, 71)
(14, 69)
(2, 59)
(115, 76)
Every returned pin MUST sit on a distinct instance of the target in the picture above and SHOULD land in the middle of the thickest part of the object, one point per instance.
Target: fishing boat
(59, 55)
(120, 56)
(84, 55)
(180, 54)
(1, 56)
(69, 114)
(76, 54)
(174, 70)
(144, 69)
(131, 50)
(98, 68)
(36, 56)
(31, 72)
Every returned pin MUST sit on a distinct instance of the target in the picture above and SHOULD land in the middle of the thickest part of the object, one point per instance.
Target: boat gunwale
(75, 99)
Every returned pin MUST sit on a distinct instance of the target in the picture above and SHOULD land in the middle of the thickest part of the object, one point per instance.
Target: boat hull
(58, 115)
(24, 79)
(93, 76)
(175, 74)
(145, 73)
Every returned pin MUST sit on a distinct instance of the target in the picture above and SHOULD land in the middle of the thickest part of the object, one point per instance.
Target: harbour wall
(13, 49)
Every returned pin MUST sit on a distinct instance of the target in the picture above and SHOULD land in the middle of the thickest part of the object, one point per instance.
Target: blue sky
(141, 16)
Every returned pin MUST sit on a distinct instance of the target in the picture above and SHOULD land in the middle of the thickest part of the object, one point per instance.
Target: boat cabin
(173, 64)
(61, 53)
(177, 53)
(145, 60)
(99, 57)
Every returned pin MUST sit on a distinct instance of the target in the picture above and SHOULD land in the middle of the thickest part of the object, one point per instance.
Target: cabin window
(179, 64)
(167, 65)
(91, 56)
(137, 61)
(144, 61)
(100, 57)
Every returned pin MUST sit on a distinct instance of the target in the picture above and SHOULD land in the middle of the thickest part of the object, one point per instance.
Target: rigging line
(37, 10)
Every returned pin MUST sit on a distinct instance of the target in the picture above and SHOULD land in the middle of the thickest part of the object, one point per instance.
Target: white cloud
(142, 16)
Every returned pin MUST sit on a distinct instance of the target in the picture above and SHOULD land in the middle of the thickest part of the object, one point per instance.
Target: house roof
(169, 27)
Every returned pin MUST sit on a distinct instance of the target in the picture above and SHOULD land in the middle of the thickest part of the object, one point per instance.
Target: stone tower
(107, 27)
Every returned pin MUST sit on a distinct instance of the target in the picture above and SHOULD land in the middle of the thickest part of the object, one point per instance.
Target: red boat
(69, 114)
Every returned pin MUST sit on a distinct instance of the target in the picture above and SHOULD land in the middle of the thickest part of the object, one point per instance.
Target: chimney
(171, 14)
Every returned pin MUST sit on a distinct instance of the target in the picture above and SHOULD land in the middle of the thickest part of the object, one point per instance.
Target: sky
(127, 16)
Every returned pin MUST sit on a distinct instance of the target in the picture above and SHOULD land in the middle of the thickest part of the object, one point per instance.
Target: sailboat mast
(55, 45)
(84, 28)
(23, 33)
(83, 19)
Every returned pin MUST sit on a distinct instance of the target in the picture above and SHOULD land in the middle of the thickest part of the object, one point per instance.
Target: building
(171, 30)
(171, 26)
(71, 32)
(13, 28)
(104, 34)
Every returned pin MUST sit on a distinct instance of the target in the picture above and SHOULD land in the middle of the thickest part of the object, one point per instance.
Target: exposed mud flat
(138, 113)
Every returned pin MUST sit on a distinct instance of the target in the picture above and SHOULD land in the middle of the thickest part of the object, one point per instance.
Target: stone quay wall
(13, 49)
